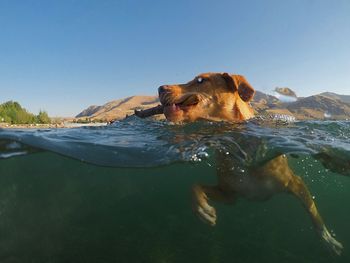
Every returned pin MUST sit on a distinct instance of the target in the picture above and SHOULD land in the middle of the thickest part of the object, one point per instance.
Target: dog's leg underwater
(200, 196)
(299, 189)
(334, 161)
(279, 169)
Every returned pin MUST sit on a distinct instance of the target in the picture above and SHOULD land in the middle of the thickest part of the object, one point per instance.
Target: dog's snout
(163, 89)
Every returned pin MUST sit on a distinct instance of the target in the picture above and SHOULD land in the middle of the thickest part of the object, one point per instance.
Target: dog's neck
(242, 111)
(233, 109)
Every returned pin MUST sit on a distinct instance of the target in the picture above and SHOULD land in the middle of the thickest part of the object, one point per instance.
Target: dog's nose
(163, 89)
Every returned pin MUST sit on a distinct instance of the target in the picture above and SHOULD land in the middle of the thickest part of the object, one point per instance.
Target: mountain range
(325, 105)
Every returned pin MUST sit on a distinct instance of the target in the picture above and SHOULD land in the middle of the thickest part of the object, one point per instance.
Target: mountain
(89, 111)
(118, 109)
(262, 101)
(322, 106)
(319, 107)
(342, 98)
(269, 99)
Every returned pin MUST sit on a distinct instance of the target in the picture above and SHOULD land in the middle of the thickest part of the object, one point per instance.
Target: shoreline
(49, 126)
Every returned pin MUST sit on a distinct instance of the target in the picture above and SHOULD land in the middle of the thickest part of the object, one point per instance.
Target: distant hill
(326, 105)
(266, 97)
(262, 101)
(322, 106)
(343, 98)
(118, 109)
(91, 110)
(319, 107)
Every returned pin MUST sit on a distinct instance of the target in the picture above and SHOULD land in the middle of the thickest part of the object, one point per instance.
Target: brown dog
(220, 96)
(209, 96)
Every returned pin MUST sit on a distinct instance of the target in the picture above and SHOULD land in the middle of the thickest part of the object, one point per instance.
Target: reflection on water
(56, 209)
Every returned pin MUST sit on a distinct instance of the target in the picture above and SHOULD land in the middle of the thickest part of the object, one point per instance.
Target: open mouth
(184, 103)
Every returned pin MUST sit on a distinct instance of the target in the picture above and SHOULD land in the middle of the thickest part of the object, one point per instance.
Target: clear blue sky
(65, 55)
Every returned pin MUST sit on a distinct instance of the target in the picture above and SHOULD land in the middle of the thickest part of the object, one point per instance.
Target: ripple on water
(145, 143)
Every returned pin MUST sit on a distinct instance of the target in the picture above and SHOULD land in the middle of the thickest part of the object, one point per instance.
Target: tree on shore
(43, 117)
(12, 112)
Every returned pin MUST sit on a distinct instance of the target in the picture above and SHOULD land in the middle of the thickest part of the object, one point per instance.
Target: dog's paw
(202, 209)
(206, 213)
(331, 242)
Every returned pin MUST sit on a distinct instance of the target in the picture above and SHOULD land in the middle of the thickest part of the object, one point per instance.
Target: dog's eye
(200, 80)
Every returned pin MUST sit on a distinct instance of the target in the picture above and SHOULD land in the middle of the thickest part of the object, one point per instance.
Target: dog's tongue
(172, 108)
(150, 112)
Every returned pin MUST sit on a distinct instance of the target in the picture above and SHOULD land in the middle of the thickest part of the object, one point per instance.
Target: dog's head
(210, 96)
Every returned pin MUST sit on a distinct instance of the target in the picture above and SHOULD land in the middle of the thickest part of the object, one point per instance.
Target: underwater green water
(56, 209)
(122, 193)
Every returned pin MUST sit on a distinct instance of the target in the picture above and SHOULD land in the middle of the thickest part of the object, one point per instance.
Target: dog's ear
(245, 91)
(230, 82)
(240, 84)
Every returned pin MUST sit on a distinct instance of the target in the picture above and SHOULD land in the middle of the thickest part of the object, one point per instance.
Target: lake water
(122, 193)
